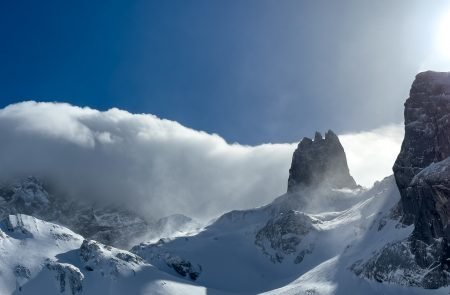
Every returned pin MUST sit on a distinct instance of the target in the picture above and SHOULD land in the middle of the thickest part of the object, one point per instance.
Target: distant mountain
(108, 224)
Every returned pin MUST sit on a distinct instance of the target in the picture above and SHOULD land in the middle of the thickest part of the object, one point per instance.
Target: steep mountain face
(320, 162)
(422, 173)
(107, 224)
(427, 141)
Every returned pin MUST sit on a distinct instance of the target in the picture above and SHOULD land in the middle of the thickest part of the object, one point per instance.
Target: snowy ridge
(105, 223)
(280, 251)
(300, 253)
(41, 257)
(23, 241)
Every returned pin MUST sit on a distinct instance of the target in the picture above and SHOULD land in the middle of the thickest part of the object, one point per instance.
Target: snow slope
(269, 250)
(38, 257)
(283, 251)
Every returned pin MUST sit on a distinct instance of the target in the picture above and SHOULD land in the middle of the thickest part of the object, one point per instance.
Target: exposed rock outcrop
(427, 141)
(408, 262)
(108, 261)
(284, 235)
(422, 167)
(422, 174)
(69, 278)
(155, 254)
(321, 161)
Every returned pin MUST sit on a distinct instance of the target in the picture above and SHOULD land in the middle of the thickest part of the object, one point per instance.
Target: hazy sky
(252, 71)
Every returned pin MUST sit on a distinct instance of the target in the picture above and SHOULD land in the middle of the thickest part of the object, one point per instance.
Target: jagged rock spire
(320, 161)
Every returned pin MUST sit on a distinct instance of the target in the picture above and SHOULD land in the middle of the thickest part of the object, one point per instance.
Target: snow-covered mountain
(325, 235)
(105, 223)
(38, 257)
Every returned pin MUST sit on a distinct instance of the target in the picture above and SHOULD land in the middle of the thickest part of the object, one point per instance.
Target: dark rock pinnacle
(321, 161)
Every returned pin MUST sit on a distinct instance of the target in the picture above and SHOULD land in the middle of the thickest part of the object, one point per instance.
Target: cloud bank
(159, 167)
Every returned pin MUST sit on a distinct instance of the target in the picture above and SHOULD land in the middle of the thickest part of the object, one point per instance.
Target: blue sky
(251, 71)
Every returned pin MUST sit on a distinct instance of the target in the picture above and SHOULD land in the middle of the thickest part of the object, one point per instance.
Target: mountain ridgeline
(325, 236)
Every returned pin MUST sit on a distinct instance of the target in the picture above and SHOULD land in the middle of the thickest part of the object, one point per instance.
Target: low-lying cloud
(159, 167)
(371, 154)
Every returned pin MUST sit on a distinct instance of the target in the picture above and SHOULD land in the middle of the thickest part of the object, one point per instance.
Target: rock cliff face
(427, 141)
(321, 161)
(422, 174)
(421, 169)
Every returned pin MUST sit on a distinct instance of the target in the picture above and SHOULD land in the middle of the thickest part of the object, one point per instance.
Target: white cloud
(157, 166)
(371, 154)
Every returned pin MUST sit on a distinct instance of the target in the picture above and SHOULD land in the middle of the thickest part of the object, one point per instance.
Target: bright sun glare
(443, 36)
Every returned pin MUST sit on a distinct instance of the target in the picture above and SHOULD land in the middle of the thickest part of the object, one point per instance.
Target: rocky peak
(423, 176)
(320, 161)
(427, 141)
